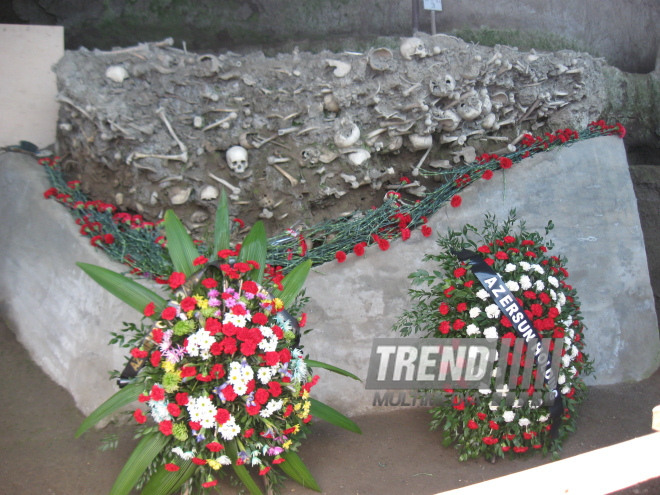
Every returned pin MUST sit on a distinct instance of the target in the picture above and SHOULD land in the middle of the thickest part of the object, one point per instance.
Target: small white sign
(433, 5)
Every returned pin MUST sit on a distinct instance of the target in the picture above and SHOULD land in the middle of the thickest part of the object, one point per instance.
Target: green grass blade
(241, 472)
(164, 482)
(125, 396)
(327, 413)
(222, 226)
(179, 244)
(295, 469)
(254, 248)
(293, 283)
(143, 455)
(329, 367)
(124, 288)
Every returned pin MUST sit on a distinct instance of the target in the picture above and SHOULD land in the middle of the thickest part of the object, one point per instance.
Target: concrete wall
(626, 33)
(63, 318)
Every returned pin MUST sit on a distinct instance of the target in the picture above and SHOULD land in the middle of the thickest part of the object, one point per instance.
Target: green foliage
(327, 413)
(254, 248)
(125, 396)
(145, 452)
(222, 226)
(180, 245)
(297, 471)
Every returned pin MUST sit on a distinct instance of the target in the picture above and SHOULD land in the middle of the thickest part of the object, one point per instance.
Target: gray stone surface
(586, 190)
(61, 316)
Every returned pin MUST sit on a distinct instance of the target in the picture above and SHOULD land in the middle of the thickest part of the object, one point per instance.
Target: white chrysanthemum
(562, 379)
(553, 281)
(204, 339)
(491, 333)
(472, 329)
(525, 282)
(544, 418)
(492, 311)
(516, 404)
(230, 429)
(538, 269)
(240, 387)
(264, 375)
(192, 349)
(524, 422)
(246, 373)
(159, 410)
(204, 402)
(482, 294)
(562, 301)
(553, 295)
(513, 286)
(566, 360)
(267, 332)
(525, 266)
(234, 376)
(475, 311)
(268, 345)
(508, 416)
(224, 460)
(539, 285)
(565, 389)
(271, 407)
(510, 267)
(186, 456)
(238, 320)
(571, 333)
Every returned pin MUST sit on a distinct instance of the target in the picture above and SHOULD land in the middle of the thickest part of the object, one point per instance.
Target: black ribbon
(523, 326)
(134, 364)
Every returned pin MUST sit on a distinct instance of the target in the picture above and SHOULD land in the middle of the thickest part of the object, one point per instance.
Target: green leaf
(164, 482)
(293, 283)
(222, 230)
(241, 472)
(295, 469)
(125, 396)
(127, 290)
(143, 455)
(329, 367)
(254, 248)
(322, 411)
(179, 244)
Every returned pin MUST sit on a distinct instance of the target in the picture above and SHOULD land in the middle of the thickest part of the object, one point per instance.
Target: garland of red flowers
(139, 244)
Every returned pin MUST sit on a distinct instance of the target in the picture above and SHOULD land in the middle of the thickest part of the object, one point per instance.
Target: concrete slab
(586, 190)
(28, 86)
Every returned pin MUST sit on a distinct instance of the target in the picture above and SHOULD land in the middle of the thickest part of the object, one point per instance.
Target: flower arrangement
(455, 305)
(221, 379)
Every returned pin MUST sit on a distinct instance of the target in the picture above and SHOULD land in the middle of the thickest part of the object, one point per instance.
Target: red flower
(426, 230)
(188, 304)
(165, 427)
(171, 467)
(200, 260)
(483, 249)
(529, 295)
(488, 174)
(181, 398)
(261, 396)
(157, 393)
(177, 279)
(472, 424)
(264, 470)
(275, 389)
(461, 307)
(501, 255)
(458, 324)
(144, 398)
(482, 416)
(449, 290)
(530, 254)
(383, 244)
(459, 272)
(169, 313)
(489, 440)
(50, 192)
(493, 425)
(489, 261)
(94, 240)
(285, 355)
(359, 249)
(505, 162)
(149, 309)
(250, 286)
(198, 461)
(209, 484)
(138, 354)
(505, 448)
(155, 359)
(194, 425)
(444, 309)
(259, 319)
(187, 371)
(214, 446)
(278, 460)
(109, 239)
(405, 234)
(405, 180)
(173, 409)
(222, 416)
(520, 450)
(340, 256)
(139, 416)
(209, 283)
(272, 358)
(469, 283)
(456, 201)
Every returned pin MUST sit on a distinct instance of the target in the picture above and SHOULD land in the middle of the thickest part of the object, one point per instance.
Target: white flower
(508, 416)
(485, 391)
(539, 285)
(562, 379)
(538, 269)
(553, 281)
(544, 418)
(566, 360)
(492, 311)
(562, 301)
(525, 266)
(513, 286)
(572, 370)
(525, 282)
(516, 404)
(574, 352)
(483, 295)
(565, 389)
(524, 422)
(491, 333)
(264, 375)
(553, 295)
(558, 306)
(510, 267)
(472, 329)
(229, 429)
(186, 456)
(493, 407)
(224, 460)
(474, 312)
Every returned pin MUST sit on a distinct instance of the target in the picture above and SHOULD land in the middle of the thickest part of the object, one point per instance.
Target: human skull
(237, 159)
(470, 108)
(442, 85)
(412, 47)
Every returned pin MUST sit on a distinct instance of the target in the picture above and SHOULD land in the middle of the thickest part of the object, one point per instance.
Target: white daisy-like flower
(571, 332)
(267, 332)
(229, 430)
(553, 281)
(525, 282)
(234, 376)
(538, 269)
(492, 311)
(510, 267)
(516, 404)
(482, 294)
(475, 311)
(268, 345)
(472, 329)
(553, 295)
(508, 416)
(544, 418)
(558, 306)
(525, 266)
(238, 320)
(513, 286)
(264, 375)
(562, 379)
(491, 333)
(524, 422)
(539, 285)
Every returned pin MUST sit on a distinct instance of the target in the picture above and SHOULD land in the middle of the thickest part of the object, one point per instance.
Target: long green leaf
(179, 244)
(164, 482)
(127, 290)
(222, 226)
(293, 283)
(143, 455)
(125, 396)
(327, 413)
(241, 472)
(329, 367)
(295, 469)
(254, 248)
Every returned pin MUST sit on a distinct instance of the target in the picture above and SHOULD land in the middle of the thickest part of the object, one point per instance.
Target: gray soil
(396, 453)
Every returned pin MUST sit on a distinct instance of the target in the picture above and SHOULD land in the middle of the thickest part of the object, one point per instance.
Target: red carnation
(481, 416)
(138, 354)
(489, 440)
(157, 393)
(177, 279)
(461, 307)
(426, 230)
(264, 470)
(187, 371)
(488, 174)
(209, 484)
(222, 416)
(493, 425)
(456, 201)
(139, 416)
(449, 290)
(459, 272)
(275, 389)
(209, 283)
(250, 286)
(505, 162)
(458, 324)
(173, 409)
(261, 396)
(472, 424)
(405, 234)
(501, 255)
(359, 249)
(200, 260)
(483, 249)
(285, 355)
(169, 313)
(181, 398)
(303, 320)
(188, 304)
(444, 309)
(149, 309)
(383, 244)
(259, 319)
(444, 327)
(214, 446)
(253, 410)
(198, 461)
(171, 467)
(155, 359)
(165, 427)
